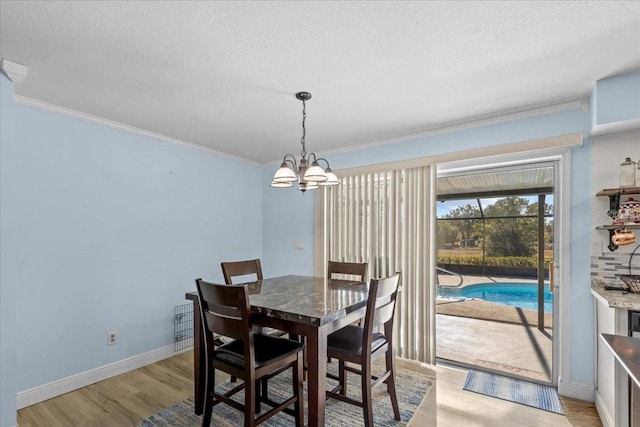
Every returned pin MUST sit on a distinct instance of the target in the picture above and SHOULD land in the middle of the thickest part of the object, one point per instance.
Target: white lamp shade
(285, 174)
(332, 179)
(315, 173)
(276, 184)
(308, 186)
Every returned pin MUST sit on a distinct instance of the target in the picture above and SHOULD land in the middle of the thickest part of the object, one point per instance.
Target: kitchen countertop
(627, 351)
(615, 299)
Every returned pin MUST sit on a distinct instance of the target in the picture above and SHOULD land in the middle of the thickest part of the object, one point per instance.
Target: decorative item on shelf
(628, 173)
(623, 237)
(308, 176)
(628, 212)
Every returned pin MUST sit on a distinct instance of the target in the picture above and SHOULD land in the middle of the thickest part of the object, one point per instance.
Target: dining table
(307, 306)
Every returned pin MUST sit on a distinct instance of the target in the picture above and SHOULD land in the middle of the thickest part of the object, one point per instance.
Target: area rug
(411, 386)
(513, 390)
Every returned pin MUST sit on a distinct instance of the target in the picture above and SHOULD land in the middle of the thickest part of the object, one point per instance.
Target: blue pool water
(523, 295)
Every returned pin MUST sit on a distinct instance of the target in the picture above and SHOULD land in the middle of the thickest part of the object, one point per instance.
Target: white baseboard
(65, 385)
(605, 416)
(579, 391)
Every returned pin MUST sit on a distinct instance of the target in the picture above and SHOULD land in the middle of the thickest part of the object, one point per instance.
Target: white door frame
(560, 158)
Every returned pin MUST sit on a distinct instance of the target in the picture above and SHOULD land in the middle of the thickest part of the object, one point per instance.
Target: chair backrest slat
(225, 309)
(241, 268)
(381, 304)
(348, 268)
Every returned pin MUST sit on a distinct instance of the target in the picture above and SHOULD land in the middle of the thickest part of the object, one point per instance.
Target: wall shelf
(614, 195)
(618, 227)
(621, 191)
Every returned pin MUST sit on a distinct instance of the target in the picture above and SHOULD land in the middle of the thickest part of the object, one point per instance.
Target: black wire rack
(182, 327)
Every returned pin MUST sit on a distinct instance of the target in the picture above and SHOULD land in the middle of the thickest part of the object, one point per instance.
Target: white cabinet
(612, 393)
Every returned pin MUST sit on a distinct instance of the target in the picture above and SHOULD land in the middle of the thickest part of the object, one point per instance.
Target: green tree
(511, 236)
(548, 222)
(447, 235)
(466, 220)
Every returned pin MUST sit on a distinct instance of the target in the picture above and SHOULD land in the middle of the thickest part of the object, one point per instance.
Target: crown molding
(573, 104)
(16, 72)
(52, 108)
(541, 149)
(615, 127)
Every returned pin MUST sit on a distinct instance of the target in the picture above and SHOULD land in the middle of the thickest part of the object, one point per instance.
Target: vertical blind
(386, 219)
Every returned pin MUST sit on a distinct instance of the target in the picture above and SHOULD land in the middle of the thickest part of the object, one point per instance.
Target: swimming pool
(523, 295)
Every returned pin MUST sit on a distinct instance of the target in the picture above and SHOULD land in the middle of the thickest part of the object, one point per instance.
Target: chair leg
(208, 411)
(342, 377)
(250, 403)
(298, 373)
(258, 399)
(305, 364)
(303, 340)
(367, 406)
(391, 382)
(208, 400)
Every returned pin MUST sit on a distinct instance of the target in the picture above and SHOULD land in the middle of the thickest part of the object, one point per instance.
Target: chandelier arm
(291, 160)
(323, 159)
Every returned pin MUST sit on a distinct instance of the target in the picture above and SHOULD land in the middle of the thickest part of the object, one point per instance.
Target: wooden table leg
(199, 360)
(316, 375)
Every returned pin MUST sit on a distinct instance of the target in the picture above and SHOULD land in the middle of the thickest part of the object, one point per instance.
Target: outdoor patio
(492, 335)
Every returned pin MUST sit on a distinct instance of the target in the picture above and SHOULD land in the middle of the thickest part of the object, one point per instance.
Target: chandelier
(308, 172)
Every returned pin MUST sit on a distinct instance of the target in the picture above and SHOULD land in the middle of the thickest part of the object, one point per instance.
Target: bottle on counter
(628, 173)
(638, 175)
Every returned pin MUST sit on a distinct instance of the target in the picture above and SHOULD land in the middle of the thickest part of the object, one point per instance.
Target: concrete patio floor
(514, 349)
(493, 336)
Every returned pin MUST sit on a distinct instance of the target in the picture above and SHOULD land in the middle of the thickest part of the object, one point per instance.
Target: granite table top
(627, 351)
(615, 298)
(311, 300)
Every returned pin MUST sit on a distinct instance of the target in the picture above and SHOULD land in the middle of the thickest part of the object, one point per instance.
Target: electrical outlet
(112, 338)
(297, 244)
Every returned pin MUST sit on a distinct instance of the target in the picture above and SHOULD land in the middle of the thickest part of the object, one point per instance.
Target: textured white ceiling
(224, 74)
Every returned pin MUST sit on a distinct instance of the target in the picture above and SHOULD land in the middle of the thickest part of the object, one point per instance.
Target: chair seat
(349, 340)
(267, 350)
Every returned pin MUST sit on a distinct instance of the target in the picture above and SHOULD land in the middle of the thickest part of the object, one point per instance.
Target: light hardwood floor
(129, 398)
(451, 406)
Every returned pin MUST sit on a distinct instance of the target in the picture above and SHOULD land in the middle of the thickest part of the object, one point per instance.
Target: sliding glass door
(495, 240)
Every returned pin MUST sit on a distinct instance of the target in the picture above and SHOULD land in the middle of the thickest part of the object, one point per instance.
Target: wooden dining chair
(254, 358)
(361, 346)
(358, 269)
(241, 268)
(247, 268)
(250, 269)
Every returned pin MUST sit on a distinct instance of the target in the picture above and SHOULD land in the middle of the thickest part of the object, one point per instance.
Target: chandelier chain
(303, 153)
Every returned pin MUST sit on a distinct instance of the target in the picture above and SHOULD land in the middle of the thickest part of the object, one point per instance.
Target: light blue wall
(8, 265)
(114, 228)
(581, 334)
(288, 215)
(616, 99)
(93, 220)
